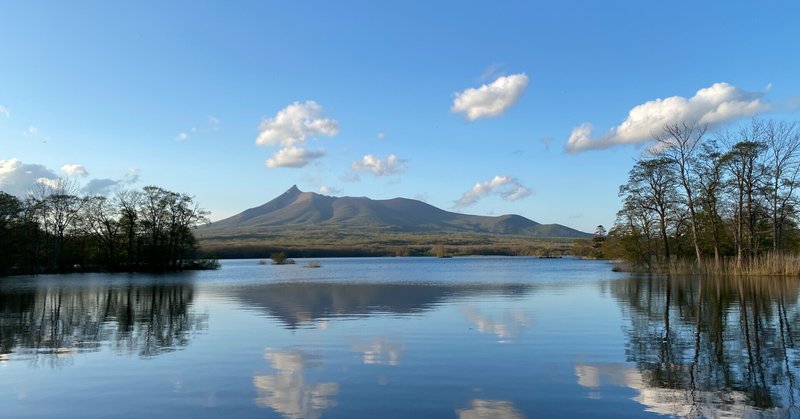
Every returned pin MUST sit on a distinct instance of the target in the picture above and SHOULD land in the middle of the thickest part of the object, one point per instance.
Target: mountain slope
(295, 210)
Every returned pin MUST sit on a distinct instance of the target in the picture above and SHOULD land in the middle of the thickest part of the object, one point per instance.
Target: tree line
(726, 198)
(54, 229)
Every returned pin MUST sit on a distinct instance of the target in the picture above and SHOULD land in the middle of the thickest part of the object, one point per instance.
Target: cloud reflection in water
(288, 392)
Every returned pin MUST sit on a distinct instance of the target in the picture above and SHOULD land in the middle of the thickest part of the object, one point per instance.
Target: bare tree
(651, 186)
(783, 169)
(677, 143)
(708, 171)
(127, 203)
(60, 208)
(742, 162)
(102, 222)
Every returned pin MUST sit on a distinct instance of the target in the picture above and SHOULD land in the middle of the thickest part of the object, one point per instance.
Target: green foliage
(280, 258)
(56, 230)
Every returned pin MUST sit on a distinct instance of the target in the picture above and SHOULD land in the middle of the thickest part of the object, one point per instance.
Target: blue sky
(179, 94)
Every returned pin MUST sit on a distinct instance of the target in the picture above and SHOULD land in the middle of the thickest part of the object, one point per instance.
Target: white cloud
(490, 99)
(714, 106)
(293, 157)
(293, 124)
(75, 170)
(290, 128)
(329, 190)
(53, 184)
(381, 135)
(18, 178)
(391, 165)
(182, 136)
(507, 187)
(4, 111)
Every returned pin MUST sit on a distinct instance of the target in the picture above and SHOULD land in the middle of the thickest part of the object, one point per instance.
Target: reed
(769, 264)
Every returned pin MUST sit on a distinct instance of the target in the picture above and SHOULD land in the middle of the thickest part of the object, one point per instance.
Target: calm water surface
(399, 338)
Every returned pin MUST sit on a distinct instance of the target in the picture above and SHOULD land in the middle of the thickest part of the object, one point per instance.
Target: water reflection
(665, 400)
(288, 392)
(508, 327)
(490, 409)
(304, 304)
(53, 323)
(380, 351)
(708, 347)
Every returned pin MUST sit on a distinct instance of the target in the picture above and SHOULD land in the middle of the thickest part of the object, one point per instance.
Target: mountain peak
(294, 190)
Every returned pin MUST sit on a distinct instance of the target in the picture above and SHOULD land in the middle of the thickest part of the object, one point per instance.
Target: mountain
(295, 211)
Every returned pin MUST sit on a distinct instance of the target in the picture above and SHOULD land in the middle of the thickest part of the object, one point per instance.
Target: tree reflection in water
(52, 322)
(710, 346)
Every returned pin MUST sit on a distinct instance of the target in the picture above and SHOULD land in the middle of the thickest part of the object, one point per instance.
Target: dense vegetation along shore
(56, 230)
(349, 243)
(725, 203)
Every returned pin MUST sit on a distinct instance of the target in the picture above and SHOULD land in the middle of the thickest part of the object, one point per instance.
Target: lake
(477, 337)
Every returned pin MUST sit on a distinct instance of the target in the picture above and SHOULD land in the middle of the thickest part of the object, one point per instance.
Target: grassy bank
(787, 265)
(301, 245)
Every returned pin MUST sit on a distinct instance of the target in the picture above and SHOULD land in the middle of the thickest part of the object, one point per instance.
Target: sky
(531, 108)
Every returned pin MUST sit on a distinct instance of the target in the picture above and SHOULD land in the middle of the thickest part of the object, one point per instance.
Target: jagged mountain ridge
(299, 210)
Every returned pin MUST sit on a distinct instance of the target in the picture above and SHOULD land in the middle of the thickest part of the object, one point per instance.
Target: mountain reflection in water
(61, 319)
(710, 347)
(303, 303)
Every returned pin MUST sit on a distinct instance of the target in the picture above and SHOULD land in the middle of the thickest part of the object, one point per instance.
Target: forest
(725, 202)
(55, 229)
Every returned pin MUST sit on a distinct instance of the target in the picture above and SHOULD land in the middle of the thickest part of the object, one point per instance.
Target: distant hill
(297, 211)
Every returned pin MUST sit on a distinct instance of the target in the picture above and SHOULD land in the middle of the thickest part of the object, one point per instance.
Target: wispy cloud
(381, 135)
(77, 170)
(491, 71)
(391, 165)
(212, 124)
(507, 187)
(715, 105)
(5, 112)
(546, 141)
(329, 190)
(491, 99)
(34, 133)
(350, 176)
(290, 128)
(107, 186)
